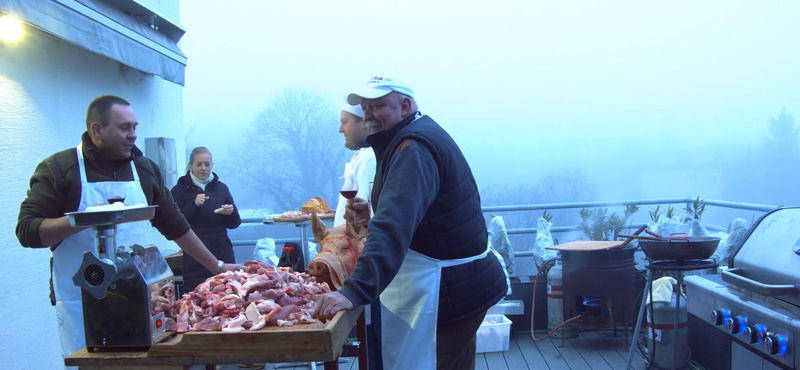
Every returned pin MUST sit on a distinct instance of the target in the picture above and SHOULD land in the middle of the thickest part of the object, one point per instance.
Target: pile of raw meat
(258, 296)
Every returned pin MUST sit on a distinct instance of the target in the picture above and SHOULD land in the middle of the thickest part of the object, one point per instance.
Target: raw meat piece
(266, 306)
(208, 324)
(262, 321)
(251, 299)
(286, 322)
(237, 322)
(280, 313)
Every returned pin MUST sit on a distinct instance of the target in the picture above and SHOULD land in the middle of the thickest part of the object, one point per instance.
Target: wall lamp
(10, 28)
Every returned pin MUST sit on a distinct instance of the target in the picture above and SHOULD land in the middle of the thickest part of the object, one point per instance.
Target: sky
(524, 87)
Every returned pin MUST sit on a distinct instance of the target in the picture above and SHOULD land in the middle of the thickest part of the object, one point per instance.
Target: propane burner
(598, 286)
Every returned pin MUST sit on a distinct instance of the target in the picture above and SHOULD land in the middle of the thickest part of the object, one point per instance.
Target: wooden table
(296, 343)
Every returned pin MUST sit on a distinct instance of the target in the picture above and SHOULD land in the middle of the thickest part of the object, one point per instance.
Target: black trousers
(455, 344)
(374, 353)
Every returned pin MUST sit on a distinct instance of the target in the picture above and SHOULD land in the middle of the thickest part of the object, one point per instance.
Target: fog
(639, 99)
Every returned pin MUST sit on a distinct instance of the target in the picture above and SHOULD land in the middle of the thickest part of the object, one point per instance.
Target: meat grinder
(122, 287)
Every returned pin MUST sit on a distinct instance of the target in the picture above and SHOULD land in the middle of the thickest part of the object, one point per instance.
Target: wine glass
(115, 192)
(349, 191)
(349, 188)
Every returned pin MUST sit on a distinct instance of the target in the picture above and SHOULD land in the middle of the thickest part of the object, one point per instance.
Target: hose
(533, 305)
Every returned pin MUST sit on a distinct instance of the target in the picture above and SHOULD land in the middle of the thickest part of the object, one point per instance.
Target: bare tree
(293, 151)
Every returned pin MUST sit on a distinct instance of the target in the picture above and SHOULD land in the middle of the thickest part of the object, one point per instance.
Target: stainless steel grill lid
(767, 260)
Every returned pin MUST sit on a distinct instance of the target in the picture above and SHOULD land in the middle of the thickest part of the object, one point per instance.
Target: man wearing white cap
(427, 254)
(360, 169)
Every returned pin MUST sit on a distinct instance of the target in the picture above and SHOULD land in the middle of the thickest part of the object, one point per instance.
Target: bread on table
(317, 203)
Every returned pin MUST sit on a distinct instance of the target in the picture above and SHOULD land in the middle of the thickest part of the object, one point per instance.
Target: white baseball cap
(353, 109)
(377, 87)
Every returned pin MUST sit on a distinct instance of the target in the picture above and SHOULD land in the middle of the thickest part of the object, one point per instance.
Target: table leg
(361, 335)
(211, 367)
(647, 284)
(332, 365)
(675, 327)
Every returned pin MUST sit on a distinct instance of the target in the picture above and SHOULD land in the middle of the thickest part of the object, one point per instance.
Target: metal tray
(83, 219)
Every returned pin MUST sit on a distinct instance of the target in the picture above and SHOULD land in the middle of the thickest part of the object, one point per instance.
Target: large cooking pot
(680, 248)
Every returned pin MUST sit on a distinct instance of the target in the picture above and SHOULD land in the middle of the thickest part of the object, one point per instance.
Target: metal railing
(574, 205)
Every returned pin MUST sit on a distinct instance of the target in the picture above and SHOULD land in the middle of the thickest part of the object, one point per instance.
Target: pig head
(339, 249)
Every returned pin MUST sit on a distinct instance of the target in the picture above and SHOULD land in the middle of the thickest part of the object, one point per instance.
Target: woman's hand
(227, 209)
(200, 199)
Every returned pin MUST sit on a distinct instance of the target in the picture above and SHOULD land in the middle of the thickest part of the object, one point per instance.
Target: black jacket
(426, 199)
(55, 188)
(210, 227)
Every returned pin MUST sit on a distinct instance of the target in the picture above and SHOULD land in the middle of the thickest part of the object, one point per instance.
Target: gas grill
(749, 316)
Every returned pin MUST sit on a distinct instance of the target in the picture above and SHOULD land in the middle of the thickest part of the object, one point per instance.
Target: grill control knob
(776, 344)
(736, 325)
(750, 335)
(718, 316)
(731, 325)
(755, 334)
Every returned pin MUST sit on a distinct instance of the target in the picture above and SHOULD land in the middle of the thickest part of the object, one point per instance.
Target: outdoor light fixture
(10, 28)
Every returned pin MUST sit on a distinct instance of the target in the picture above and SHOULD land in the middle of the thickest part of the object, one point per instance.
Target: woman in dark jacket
(208, 206)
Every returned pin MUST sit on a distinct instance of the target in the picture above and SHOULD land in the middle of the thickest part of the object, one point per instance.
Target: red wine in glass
(349, 194)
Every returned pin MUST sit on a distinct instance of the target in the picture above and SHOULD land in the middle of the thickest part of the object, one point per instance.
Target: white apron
(68, 256)
(410, 310)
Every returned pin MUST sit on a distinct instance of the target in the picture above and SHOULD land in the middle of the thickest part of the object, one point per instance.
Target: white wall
(45, 87)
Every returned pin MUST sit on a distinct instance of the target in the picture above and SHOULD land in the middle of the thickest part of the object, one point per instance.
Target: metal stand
(304, 242)
(665, 265)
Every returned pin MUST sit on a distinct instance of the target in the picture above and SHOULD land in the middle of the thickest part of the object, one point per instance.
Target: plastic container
(494, 337)
(508, 308)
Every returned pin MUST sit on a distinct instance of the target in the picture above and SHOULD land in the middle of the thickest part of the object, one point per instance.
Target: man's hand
(329, 304)
(357, 211)
(200, 199)
(54, 230)
(230, 267)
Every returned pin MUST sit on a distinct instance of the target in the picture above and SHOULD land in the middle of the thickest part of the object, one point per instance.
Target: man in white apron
(360, 170)
(106, 164)
(427, 252)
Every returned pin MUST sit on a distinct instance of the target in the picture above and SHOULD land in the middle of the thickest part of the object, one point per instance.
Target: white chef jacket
(362, 166)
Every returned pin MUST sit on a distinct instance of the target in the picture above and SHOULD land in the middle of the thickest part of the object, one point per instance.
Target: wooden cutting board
(586, 246)
(292, 219)
(288, 341)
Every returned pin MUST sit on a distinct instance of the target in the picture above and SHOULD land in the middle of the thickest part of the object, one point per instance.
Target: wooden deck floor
(592, 350)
